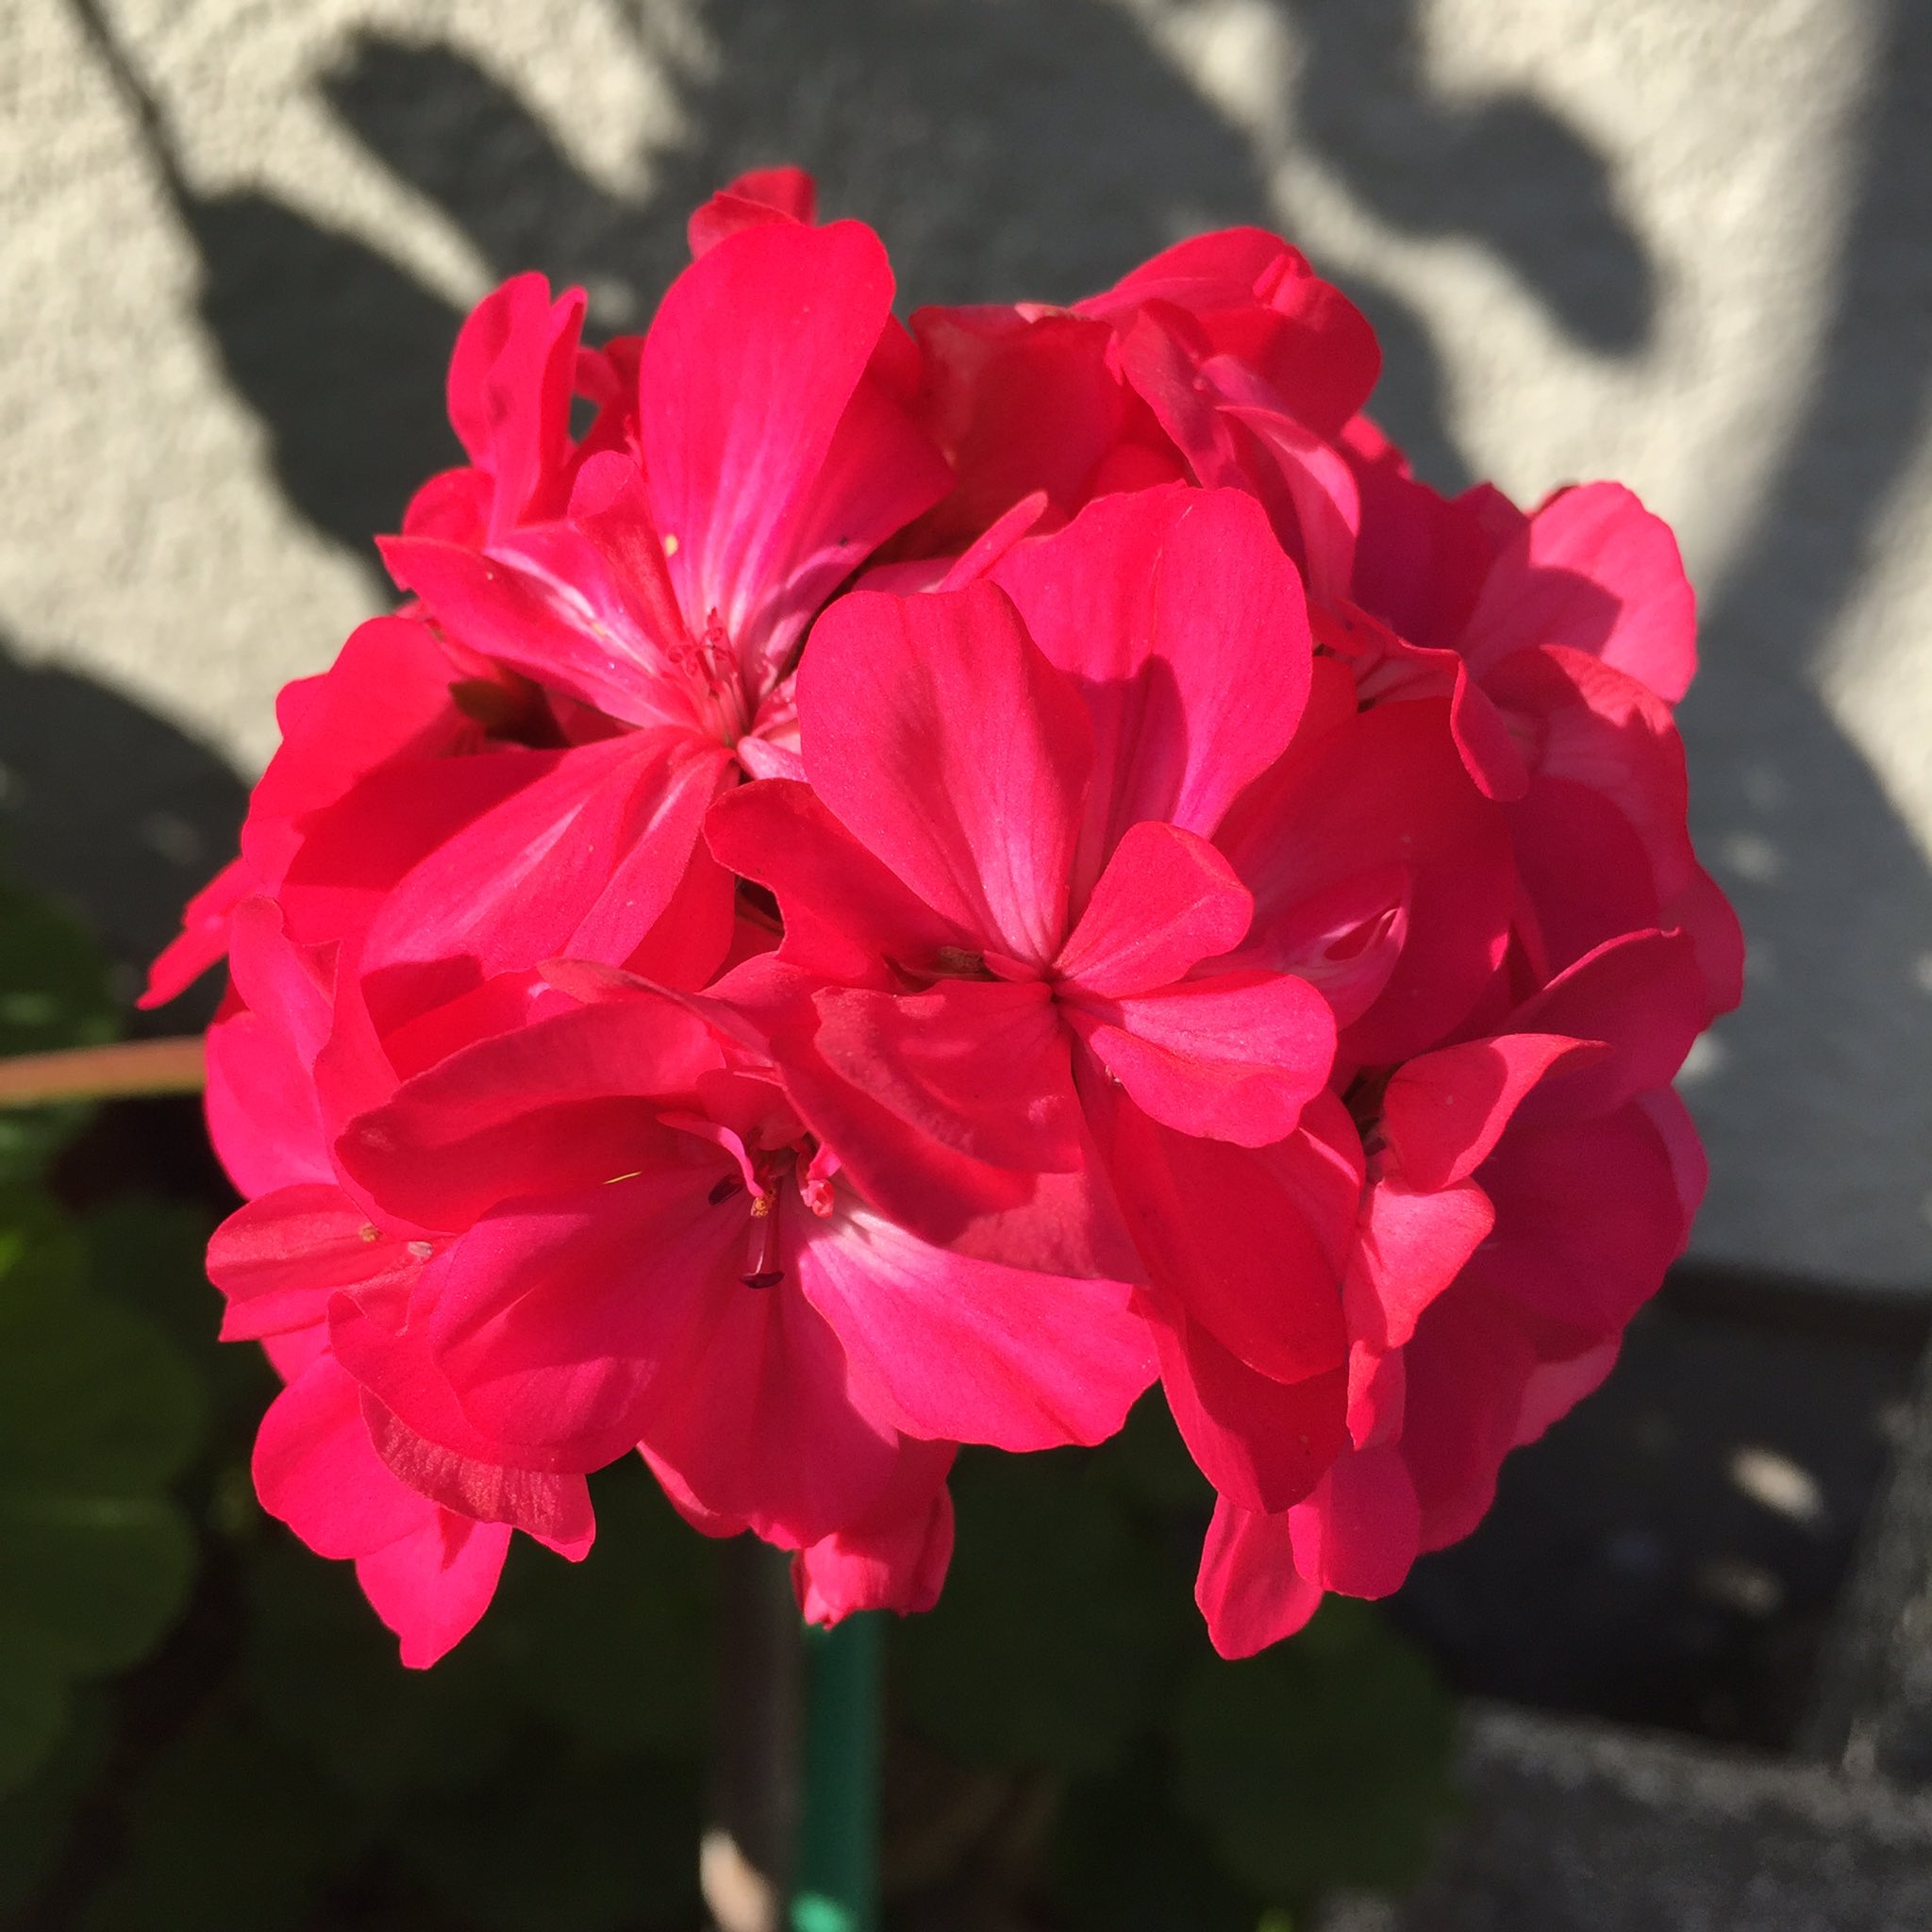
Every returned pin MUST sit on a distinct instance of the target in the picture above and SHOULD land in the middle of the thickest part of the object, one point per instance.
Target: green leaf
(1125, 1860)
(615, 1650)
(1324, 1761)
(53, 993)
(585, 1845)
(1049, 1644)
(325, 1676)
(98, 1412)
(35, 1821)
(225, 1834)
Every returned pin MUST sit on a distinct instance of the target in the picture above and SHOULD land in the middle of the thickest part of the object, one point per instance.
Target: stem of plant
(839, 1843)
(745, 1860)
(126, 1069)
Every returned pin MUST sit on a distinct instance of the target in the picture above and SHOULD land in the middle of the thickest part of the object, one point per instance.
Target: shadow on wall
(1041, 147)
(108, 808)
(1835, 1038)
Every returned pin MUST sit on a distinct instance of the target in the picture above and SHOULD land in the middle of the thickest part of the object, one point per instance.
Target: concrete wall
(1684, 242)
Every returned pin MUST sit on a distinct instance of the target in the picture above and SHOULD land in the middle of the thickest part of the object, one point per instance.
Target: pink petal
(846, 917)
(1377, 1393)
(757, 1413)
(1361, 1530)
(1412, 1246)
(1467, 1369)
(1166, 902)
(555, 1315)
(1600, 727)
(353, 852)
(979, 1067)
(1702, 910)
(279, 1259)
(1555, 1388)
(1063, 1222)
(969, 1350)
(581, 863)
(949, 747)
(765, 194)
(1445, 1111)
(1584, 872)
(262, 1114)
(432, 1588)
(1587, 1217)
(509, 390)
(1642, 994)
(555, 1105)
(555, 1510)
(1262, 1444)
(1185, 630)
(897, 1558)
(316, 1470)
(773, 465)
(1384, 790)
(1213, 1222)
(1234, 1057)
(1594, 571)
(1248, 1588)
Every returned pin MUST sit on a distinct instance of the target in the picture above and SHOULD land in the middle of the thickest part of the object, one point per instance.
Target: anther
(725, 1188)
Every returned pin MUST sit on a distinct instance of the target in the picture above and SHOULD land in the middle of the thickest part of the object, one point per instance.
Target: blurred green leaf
(225, 1833)
(1125, 1860)
(325, 1676)
(1049, 1643)
(616, 1650)
(35, 1821)
(569, 1847)
(98, 1412)
(53, 993)
(1322, 1762)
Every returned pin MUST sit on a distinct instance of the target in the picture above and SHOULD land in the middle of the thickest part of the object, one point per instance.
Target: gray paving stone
(1579, 1827)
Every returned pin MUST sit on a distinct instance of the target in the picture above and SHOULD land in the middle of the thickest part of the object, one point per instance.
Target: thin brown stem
(104, 1073)
(745, 1860)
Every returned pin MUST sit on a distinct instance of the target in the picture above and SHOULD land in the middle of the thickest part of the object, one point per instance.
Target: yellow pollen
(670, 545)
(761, 1207)
(370, 1232)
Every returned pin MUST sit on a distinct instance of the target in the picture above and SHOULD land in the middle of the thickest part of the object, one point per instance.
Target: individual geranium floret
(639, 1242)
(1004, 878)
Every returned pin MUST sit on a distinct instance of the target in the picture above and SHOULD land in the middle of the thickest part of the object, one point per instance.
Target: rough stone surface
(1683, 241)
(1577, 1828)
(1871, 1709)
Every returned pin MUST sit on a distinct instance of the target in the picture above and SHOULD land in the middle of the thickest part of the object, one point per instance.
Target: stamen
(725, 1190)
(761, 1260)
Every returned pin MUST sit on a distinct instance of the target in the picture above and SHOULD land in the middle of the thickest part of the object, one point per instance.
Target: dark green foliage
(1318, 1762)
(53, 993)
(1047, 1647)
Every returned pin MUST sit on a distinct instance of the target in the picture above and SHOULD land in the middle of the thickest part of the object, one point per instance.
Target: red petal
(1166, 902)
(1262, 1444)
(1185, 630)
(1361, 1529)
(775, 466)
(972, 1352)
(944, 740)
(1594, 570)
(1248, 1588)
(432, 1588)
(1445, 1111)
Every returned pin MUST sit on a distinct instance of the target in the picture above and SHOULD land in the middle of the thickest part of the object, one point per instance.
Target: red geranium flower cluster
(903, 884)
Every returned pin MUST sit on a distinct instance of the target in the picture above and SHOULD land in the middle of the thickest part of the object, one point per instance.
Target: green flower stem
(837, 1850)
(104, 1073)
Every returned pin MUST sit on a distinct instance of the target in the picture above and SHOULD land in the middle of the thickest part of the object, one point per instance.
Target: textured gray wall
(1685, 243)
